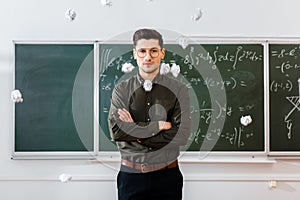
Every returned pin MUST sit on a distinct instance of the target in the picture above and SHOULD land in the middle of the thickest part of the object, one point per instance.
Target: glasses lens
(154, 53)
(143, 52)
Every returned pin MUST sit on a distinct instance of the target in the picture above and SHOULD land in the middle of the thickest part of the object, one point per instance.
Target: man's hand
(162, 125)
(124, 115)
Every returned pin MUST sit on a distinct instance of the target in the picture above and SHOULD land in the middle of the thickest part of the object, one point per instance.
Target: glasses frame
(148, 51)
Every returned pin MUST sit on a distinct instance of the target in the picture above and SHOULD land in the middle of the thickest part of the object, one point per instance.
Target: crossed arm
(151, 134)
(125, 116)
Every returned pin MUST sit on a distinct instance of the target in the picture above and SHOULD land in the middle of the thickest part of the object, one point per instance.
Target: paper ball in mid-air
(246, 120)
(183, 41)
(127, 68)
(16, 96)
(197, 15)
(147, 85)
(106, 2)
(164, 68)
(175, 70)
(70, 14)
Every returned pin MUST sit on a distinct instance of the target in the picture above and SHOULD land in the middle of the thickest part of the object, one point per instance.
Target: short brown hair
(147, 34)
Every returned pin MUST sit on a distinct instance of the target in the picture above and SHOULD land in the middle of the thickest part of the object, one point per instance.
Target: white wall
(44, 20)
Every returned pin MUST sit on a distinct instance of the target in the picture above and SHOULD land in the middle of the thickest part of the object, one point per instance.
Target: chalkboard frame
(243, 40)
(89, 154)
(279, 154)
(111, 155)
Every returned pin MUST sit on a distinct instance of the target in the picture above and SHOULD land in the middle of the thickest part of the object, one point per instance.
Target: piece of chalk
(272, 184)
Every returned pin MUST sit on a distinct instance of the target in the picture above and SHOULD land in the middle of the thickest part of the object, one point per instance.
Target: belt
(145, 167)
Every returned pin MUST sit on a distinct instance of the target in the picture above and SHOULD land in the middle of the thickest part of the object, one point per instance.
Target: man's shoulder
(126, 82)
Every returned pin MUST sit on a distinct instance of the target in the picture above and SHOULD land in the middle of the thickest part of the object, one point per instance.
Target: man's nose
(148, 55)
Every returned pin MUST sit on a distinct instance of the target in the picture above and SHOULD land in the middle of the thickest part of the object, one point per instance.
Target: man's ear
(163, 51)
(134, 53)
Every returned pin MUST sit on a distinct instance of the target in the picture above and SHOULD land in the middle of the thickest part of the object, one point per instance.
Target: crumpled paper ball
(127, 67)
(246, 120)
(197, 15)
(175, 70)
(16, 96)
(164, 68)
(106, 2)
(147, 85)
(183, 41)
(70, 14)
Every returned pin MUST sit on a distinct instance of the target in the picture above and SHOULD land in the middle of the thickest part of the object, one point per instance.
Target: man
(149, 119)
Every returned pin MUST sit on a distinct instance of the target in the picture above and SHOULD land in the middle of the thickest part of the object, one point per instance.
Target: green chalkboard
(284, 87)
(56, 81)
(225, 82)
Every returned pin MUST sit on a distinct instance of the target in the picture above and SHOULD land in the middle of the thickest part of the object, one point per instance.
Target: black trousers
(163, 184)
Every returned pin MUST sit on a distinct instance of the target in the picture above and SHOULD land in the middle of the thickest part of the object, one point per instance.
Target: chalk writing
(294, 100)
(217, 56)
(237, 137)
(284, 52)
(286, 66)
(276, 86)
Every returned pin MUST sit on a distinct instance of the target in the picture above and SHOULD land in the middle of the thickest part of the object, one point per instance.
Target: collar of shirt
(156, 79)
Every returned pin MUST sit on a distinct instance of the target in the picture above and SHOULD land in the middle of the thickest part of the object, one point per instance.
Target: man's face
(148, 55)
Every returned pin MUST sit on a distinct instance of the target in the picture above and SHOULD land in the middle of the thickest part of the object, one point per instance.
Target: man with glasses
(149, 119)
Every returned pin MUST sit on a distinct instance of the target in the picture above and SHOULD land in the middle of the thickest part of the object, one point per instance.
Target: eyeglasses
(142, 53)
